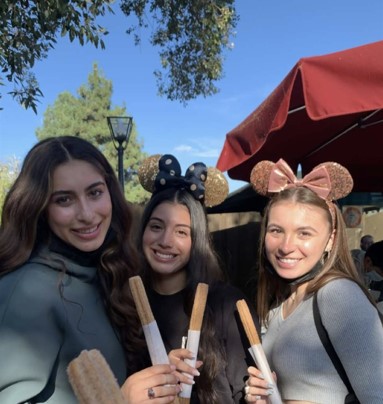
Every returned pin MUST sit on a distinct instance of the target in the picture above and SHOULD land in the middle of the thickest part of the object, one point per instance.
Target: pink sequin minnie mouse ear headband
(207, 184)
(328, 180)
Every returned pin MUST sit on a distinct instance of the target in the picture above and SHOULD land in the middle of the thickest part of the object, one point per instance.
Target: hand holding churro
(157, 381)
(153, 338)
(185, 372)
(257, 349)
(194, 333)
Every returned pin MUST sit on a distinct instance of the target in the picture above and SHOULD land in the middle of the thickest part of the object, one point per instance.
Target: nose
(287, 244)
(84, 211)
(166, 239)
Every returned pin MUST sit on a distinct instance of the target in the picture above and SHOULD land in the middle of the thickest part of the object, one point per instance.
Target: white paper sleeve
(156, 347)
(262, 364)
(192, 345)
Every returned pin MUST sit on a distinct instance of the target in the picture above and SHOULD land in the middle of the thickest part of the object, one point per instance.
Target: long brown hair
(24, 226)
(203, 266)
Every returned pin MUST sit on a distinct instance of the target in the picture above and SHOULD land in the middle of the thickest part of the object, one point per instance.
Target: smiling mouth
(164, 256)
(289, 260)
(87, 231)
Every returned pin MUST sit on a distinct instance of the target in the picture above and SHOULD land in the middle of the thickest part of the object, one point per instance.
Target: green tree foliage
(190, 34)
(28, 30)
(8, 173)
(85, 116)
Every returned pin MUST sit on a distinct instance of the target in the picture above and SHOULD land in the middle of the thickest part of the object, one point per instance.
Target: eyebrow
(155, 218)
(298, 228)
(64, 192)
(163, 221)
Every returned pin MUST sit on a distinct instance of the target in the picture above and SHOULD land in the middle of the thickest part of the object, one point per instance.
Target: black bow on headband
(169, 176)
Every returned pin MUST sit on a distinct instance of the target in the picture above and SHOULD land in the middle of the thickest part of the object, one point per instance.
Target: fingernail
(196, 372)
(270, 386)
(270, 392)
(261, 376)
(257, 397)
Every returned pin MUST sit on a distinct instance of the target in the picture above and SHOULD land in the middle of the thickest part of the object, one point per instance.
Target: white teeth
(165, 256)
(87, 231)
(288, 260)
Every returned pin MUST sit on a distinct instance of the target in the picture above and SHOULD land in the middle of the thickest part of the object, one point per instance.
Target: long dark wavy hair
(203, 266)
(24, 226)
(338, 263)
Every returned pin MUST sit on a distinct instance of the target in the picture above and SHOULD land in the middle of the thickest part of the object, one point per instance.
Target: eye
(154, 226)
(183, 232)
(96, 193)
(274, 230)
(62, 200)
(305, 234)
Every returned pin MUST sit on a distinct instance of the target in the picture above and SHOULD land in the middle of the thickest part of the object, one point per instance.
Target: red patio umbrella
(328, 108)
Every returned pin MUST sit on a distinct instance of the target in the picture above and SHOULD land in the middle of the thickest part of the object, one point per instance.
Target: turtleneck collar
(84, 258)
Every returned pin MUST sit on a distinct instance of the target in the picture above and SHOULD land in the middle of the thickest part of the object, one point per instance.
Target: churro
(194, 333)
(257, 349)
(92, 380)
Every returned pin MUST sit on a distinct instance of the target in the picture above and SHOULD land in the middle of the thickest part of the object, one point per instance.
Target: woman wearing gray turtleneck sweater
(65, 262)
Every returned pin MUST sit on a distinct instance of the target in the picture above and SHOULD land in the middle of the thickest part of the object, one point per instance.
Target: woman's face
(296, 237)
(80, 208)
(167, 238)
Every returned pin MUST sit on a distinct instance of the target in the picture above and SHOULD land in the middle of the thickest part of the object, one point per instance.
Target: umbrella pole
(360, 124)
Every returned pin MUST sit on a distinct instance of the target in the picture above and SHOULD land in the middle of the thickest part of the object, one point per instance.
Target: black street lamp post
(120, 129)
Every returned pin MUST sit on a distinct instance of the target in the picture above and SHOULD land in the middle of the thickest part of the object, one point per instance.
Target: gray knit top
(304, 370)
(46, 319)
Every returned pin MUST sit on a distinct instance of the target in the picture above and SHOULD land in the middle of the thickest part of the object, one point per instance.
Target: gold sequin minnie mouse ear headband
(207, 184)
(328, 180)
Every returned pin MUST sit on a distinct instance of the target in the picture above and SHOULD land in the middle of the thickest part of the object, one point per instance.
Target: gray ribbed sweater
(303, 368)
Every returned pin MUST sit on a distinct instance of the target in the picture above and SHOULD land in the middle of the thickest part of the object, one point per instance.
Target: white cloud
(207, 153)
(183, 148)
(198, 151)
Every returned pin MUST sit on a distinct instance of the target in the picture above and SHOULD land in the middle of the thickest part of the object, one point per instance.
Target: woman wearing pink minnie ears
(307, 283)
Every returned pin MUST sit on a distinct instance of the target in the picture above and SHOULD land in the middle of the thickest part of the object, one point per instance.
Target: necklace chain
(294, 296)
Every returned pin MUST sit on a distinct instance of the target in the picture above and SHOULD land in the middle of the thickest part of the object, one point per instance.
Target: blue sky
(271, 36)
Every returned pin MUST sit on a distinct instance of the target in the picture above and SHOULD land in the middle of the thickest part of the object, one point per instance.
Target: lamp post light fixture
(120, 129)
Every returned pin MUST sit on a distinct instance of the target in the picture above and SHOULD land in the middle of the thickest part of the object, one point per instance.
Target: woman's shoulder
(30, 272)
(27, 273)
(343, 296)
(28, 295)
(31, 282)
(338, 287)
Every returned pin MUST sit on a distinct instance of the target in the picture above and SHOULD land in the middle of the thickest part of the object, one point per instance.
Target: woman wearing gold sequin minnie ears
(305, 267)
(177, 253)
